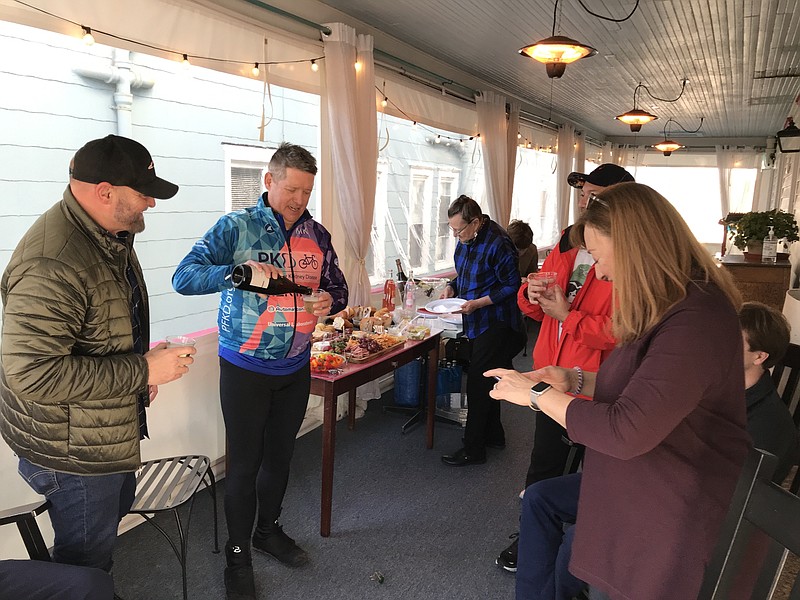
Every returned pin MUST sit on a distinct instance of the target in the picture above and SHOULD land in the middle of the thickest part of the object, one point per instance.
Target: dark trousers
(262, 416)
(494, 348)
(549, 510)
(41, 580)
(549, 452)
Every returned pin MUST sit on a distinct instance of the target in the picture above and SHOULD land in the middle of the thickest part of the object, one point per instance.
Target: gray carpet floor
(427, 530)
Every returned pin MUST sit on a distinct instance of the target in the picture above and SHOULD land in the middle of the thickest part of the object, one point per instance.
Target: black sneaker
(508, 557)
(239, 581)
(276, 543)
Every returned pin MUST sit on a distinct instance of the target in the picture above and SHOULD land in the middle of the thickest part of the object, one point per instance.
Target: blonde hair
(656, 256)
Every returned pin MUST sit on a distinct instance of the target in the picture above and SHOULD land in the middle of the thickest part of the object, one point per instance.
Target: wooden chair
(760, 511)
(786, 376)
(166, 484)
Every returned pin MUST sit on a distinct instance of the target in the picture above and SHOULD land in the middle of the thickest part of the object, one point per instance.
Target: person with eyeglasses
(487, 277)
(575, 316)
(663, 420)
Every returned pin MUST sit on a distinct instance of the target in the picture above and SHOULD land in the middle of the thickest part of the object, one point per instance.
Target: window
(247, 185)
(418, 179)
(534, 198)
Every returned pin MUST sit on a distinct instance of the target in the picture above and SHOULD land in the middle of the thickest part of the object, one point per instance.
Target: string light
(358, 66)
(255, 70)
(436, 137)
(519, 135)
(88, 38)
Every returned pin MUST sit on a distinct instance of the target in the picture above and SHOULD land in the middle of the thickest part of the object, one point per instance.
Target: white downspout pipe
(126, 77)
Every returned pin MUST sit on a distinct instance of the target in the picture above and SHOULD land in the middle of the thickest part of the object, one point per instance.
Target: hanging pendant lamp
(557, 51)
(636, 117)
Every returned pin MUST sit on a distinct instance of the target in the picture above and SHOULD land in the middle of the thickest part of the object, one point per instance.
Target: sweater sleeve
(207, 267)
(507, 269)
(682, 361)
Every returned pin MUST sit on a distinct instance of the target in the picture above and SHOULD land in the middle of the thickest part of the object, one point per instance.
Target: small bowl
(327, 362)
(417, 332)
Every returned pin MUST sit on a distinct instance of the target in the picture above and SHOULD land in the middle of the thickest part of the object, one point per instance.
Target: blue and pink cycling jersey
(272, 327)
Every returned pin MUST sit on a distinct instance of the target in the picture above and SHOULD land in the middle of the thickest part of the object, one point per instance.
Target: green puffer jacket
(70, 379)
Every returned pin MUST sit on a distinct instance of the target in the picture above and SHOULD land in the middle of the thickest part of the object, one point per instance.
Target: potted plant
(748, 230)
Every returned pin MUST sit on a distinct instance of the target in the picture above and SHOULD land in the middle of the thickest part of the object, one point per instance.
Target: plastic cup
(548, 278)
(174, 341)
(310, 299)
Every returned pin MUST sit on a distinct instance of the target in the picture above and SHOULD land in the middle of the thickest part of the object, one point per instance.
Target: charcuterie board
(365, 348)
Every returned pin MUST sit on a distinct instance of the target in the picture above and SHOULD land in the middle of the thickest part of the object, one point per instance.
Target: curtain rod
(288, 15)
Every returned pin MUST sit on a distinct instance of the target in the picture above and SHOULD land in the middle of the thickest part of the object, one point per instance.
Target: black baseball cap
(120, 161)
(605, 175)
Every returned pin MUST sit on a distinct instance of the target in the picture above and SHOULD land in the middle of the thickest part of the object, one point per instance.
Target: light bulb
(255, 70)
(519, 135)
(358, 66)
(186, 62)
(314, 66)
(438, 139)
(88, 38)
(385, 102)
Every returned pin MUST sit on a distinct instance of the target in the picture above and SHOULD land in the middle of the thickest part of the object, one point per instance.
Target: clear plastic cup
(180, 340)
(310, 299)
(548, 278)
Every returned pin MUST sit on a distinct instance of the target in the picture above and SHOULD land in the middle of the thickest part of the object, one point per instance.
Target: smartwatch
(536, 391)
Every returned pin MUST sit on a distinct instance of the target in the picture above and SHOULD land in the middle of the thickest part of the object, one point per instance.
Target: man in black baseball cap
(575, 332)
(122, 162)
(603, 176)
(76, 359)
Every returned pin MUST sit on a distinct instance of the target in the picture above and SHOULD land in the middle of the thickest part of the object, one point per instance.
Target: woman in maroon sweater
(665, 435)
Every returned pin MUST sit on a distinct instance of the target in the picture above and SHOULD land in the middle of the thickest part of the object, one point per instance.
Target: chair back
(786, 375)
(24, 517)
(763, 522)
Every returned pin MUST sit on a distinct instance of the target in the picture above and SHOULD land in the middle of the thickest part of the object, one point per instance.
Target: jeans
(549, 508)
(85, 511)
(262, 414)
(40, 580)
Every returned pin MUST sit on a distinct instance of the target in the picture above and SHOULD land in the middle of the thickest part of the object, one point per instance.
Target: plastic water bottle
(410, 303)
(769, 253)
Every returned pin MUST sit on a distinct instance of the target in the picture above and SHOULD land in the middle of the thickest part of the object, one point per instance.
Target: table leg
(433, 367)
(328, 448)
(351, 410)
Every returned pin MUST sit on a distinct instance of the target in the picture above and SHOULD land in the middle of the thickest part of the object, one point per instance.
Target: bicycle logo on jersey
(308, 260)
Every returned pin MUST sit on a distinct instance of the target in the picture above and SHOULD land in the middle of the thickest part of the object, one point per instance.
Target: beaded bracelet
(579, 387)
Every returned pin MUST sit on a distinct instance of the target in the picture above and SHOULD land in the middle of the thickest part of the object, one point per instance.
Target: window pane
(418, 179)
(534, 198)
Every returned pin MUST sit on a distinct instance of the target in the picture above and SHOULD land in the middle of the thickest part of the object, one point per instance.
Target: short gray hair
(291, 156)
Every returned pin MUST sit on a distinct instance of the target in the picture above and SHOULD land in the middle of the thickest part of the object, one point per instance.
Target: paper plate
(445, 305)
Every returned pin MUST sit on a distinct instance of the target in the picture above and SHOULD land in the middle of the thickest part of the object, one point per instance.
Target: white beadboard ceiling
(742, 57)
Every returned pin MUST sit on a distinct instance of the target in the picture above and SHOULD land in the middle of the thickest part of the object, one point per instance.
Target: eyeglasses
(595, 198)
(457, 232)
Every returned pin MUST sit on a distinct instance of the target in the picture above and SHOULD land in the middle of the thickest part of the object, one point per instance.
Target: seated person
(522, 236)
(42, 580)
(549, 507)
(765, 333)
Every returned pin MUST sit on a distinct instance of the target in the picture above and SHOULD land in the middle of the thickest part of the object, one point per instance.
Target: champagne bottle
(244, 277)
(401, 276)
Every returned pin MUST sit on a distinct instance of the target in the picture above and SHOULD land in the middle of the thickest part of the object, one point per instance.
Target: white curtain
(607, 153)
(580, 166)
(499, 139)
(566, 155)
(725, 161)
(354, 152)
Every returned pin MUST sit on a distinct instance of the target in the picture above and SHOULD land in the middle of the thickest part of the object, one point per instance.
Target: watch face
(540, 387)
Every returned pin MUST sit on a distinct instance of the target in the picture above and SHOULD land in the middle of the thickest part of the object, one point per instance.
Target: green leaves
(754, 226)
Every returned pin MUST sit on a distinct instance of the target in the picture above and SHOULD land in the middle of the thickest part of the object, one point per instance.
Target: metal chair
(24, 517)
(165, 485)
(786, 376)
(763, 522)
